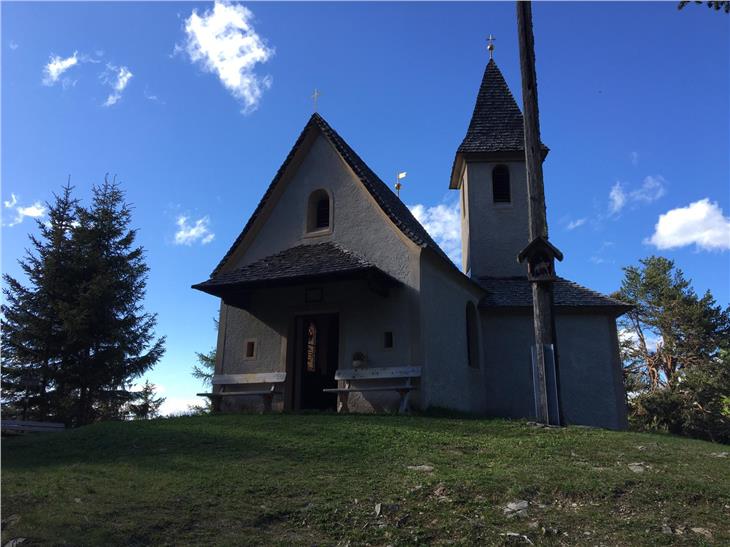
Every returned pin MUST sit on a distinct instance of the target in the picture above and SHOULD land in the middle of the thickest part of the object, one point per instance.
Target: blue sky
(633, 103)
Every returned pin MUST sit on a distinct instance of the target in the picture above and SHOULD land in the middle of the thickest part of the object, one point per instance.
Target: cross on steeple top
(315, 96)
(490, 45)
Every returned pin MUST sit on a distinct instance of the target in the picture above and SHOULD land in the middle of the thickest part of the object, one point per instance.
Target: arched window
(319, 212)
(500, 184)
(472, 335)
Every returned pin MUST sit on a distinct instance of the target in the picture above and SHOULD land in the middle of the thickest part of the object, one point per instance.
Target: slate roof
(384, 196)
(296, 264)
(516, 292)
(496, 124)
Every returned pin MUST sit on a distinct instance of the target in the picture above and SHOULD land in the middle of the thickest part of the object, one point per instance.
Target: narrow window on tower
(500, 184)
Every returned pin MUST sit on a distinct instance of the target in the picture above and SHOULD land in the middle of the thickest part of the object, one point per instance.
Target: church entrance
(315, 361)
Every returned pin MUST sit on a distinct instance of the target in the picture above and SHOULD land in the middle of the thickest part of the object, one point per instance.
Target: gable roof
(391, 204)
(299, 264)
(496, 124)
(516, 292)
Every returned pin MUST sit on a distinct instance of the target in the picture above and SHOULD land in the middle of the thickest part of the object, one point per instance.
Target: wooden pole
(541, 291)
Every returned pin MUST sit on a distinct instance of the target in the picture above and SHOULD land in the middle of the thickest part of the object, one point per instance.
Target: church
(334, 297)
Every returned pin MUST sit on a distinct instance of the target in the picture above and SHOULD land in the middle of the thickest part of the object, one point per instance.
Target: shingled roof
(383, 195)
(299, 264)
(516, 292)
(496, 124)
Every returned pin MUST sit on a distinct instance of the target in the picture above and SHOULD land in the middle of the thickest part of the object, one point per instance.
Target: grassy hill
(379, 480)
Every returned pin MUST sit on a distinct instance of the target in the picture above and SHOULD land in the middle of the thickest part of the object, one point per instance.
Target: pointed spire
(496, 124)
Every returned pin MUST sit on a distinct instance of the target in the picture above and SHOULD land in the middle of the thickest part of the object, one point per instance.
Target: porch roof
(297, 265)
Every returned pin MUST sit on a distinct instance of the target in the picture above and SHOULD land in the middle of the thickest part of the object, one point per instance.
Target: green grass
(316, 478)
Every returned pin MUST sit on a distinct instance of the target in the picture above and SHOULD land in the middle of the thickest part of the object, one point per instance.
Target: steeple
(496, 125)
(489, 172)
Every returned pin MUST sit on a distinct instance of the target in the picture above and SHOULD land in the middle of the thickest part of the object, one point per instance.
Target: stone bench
(273, 382)
(404, 377)
(24, 426)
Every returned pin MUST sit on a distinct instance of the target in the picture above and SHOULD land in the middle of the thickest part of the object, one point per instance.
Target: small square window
(388, 339)
(250, 349)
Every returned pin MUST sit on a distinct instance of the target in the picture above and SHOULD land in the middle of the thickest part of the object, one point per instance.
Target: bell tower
(489, 171)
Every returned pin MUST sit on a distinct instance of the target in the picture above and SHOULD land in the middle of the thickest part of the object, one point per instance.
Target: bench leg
(342, 402)
(267, 401)
(404, 396)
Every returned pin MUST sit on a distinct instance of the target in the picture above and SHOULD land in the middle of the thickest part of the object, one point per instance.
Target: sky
(194, 106)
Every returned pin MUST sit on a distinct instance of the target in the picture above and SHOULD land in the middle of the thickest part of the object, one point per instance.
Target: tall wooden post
(541, 289)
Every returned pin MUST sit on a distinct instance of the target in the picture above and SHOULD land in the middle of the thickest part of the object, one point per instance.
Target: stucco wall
(448, 380)
(358, 224)
(591, 388)
(363, 316)
(497, 232)
(357, 220)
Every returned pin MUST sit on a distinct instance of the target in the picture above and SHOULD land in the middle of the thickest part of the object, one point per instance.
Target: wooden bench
(405, 377)
(22, 426)
(274, 381)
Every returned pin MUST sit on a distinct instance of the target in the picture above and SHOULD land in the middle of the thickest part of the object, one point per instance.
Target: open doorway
(315, 361)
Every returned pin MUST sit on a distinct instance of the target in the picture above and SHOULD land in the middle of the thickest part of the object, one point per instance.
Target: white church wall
(497, 231)
(364, 317)
(592, 391)
(590, 374)
(358, 223)
(448, 380)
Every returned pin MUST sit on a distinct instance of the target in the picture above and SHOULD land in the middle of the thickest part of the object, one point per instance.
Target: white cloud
(634, 158)
(174, 406)
(573, 224)
(653, 341)
(36, 210)
(56, 66)
(118, 78)
(187, 233)
(443, 223)
(13, 45)
(652, 188)
(701, 223)
(224, 42)
(616, 199)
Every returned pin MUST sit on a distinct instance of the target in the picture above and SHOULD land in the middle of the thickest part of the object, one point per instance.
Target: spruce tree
(146, 405)
(76, 335)
(109, 334)
(33, 334)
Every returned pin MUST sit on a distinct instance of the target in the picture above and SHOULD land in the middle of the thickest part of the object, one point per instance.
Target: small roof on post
(540, 255)
(496, 125)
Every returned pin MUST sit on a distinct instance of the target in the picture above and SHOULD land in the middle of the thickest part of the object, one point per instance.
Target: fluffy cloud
(36, 210)
(651, 189)
(187, 233)
(224, 42)
(443, 223)
(56, 66)
(701, 223)
(118, 78)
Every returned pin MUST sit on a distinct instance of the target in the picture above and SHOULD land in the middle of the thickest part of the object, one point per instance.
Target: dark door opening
(315, 361)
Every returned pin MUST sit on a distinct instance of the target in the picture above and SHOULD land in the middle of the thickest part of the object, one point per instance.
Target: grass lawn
(308, 479)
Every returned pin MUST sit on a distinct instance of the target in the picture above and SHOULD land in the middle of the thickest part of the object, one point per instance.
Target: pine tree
(33, 334)
(109, 334)
(204, 371)
(675, 351)
(76, 336)
(147, 406)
